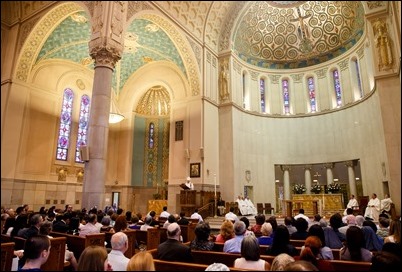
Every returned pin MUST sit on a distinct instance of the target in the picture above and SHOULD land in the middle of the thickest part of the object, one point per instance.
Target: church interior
(108, 102)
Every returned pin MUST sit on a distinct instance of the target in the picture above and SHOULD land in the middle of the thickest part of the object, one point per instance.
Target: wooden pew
(131, 241)
(77, 244)
(297, 243)
(181, 266)
(208, 257)
(56, 260)
(6, 239)
(187, 232)
(340, 265)
(7, 255)
(150, 237)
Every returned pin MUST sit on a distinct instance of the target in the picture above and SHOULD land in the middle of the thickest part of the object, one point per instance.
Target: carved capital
(105, 55)
(349, 163)
(328, 165)
(308, 167)
(285, 167)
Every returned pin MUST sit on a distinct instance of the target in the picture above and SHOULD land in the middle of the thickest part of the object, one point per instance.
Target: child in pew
(36, 253)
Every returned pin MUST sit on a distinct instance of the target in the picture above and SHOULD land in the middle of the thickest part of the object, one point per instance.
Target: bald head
(119, 241)
(173, 231)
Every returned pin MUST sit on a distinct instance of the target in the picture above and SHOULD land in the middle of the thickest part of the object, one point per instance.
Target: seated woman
(202, 234)
(265, 238)
(354, 250)
(325, 252)
(281, 243)
(226, 232)
(250, 255)
(311, 253)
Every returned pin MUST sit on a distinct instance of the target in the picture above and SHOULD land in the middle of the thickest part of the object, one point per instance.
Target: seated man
(352, 204)
(231, 216)
(373, 208)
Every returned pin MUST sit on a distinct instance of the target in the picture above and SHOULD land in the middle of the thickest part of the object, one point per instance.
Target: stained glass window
(311, 93)
(82, 125)
(285, 89)
(262, 93)
(244, 91)
(359, 83)
(65, 125)
(337, 84)
(151, 135)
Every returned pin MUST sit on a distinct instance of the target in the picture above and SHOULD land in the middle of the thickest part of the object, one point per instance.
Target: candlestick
(215, 183)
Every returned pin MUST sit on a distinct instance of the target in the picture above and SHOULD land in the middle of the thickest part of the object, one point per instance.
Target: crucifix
(302, 29)
(317, 175)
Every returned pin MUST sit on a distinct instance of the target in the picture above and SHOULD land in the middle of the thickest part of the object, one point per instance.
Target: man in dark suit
(35, 222)
(61, 223)
(182, 220)
(172, 249)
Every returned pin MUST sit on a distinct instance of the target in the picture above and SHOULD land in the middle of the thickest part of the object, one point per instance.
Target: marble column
(307, 177)
(286, 181)
(330, 176)
(106, 48)
(351, 177)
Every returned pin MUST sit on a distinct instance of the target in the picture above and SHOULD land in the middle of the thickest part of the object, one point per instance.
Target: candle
(215, 183)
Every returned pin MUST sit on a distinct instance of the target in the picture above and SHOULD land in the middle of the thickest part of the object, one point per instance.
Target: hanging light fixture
(114, 116)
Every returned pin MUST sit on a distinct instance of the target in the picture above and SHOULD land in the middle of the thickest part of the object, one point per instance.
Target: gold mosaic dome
(297, 34)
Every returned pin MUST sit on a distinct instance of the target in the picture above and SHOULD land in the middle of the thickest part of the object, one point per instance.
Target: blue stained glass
(151, 135)
(285, 95)
(65, 125)
(311, 92)
(82, 126)
(337, 83)
(262, 93)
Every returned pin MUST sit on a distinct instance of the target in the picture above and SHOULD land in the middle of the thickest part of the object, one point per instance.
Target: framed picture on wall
(195, 170)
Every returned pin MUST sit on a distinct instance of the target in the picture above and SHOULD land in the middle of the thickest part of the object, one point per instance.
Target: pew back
(131, 241)
(150, 237)
(55, 262)
(7, 255)
(77, 244)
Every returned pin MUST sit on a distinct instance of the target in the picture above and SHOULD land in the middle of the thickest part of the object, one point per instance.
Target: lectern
(187, 200)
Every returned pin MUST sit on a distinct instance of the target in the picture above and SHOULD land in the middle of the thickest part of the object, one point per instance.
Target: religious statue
(383, 45)
(61, 173)
(223, 81)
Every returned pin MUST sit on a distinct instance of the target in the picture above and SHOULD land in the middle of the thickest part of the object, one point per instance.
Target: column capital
(329, 165)
(308, 166)
(349, 163)
(107, 37)
(286, 167)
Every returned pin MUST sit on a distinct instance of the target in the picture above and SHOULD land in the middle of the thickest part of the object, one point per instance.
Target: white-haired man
(116, 258)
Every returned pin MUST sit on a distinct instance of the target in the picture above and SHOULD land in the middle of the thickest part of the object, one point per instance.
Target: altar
(324, 204)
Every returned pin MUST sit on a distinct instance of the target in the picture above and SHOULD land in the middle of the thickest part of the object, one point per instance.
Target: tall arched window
(285, 89)
(82, 125)
(311, 93)
(65, 125)
(151, 135)
(244, 90)
(359, 83)
(262, 94)
(337, 85)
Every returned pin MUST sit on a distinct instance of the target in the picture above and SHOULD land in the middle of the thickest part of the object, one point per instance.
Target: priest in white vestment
(351, 204)
(242, 205)
(373, 208)
(251, 208)
(386, 204)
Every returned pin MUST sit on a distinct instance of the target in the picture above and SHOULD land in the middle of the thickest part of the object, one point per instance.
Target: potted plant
(299, 188)
(316, 189)
(334, 188)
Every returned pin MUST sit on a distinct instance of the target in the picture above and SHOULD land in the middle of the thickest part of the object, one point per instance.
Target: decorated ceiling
(296, 34)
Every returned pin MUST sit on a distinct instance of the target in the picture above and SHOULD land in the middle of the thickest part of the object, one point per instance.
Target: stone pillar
(307, 177)
(106, 48)
(330, 176)
(351, 177)
(286, 181)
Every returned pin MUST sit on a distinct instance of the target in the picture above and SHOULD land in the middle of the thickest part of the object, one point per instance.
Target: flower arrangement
(316, 189)
(299, 188)
(334, 187)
